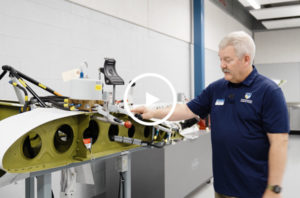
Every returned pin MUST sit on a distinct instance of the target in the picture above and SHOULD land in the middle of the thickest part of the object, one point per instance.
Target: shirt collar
(248, 81)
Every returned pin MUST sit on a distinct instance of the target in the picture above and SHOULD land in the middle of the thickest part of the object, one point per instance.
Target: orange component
(87, 141)
(202, 124)
(128, 124)
(58, 94)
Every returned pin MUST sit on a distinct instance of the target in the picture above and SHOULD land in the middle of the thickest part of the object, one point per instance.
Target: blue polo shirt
(241, 116)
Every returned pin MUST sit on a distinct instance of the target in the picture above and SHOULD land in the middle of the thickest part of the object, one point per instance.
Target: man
(249, 124)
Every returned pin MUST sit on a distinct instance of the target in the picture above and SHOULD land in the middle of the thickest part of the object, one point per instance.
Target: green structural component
(8, 109)
(60, 142)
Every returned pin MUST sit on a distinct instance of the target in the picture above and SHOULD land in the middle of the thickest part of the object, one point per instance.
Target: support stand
(44, 186)
(29, 187)
(44, 179)
(127, 178)
(125, 171)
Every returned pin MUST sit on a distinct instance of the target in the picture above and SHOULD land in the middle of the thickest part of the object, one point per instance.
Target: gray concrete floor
(291, 180)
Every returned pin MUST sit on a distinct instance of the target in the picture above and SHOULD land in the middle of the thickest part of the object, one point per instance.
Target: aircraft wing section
(18, 125)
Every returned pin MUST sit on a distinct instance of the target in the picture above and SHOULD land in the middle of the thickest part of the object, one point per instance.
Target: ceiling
(275, 14)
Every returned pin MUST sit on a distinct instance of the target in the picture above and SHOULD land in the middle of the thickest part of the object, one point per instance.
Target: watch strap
(275, 188)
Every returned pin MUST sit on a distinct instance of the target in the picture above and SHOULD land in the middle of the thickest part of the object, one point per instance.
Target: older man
(249, 124)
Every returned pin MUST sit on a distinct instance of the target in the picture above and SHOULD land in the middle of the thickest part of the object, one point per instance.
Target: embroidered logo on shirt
(219, 102)
(247, 97)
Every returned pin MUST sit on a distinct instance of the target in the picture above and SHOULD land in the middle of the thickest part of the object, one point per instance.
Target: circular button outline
(143, 76)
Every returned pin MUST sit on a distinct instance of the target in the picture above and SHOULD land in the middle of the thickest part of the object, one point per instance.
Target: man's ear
(247, 59)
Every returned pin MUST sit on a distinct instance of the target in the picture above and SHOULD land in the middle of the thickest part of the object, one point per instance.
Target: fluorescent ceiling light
(282, 23)
(254, 4)
(276, 12)
(264, 2)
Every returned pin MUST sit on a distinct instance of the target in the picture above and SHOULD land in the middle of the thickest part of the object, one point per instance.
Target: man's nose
(223, 65)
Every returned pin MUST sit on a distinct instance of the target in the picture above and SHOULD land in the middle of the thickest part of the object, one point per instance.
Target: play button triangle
(150, 99)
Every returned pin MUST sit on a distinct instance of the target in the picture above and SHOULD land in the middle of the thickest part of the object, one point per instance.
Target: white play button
(150, 99)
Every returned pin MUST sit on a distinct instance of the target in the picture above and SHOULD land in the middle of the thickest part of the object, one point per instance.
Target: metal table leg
(126, 170)
(127, 177)
(29, 187)
(44, 186)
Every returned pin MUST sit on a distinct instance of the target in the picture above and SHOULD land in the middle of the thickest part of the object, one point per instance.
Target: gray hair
(242, 43)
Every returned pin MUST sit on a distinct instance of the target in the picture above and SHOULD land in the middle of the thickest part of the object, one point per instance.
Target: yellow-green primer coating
(15, 161)
(48, 156)
(8, 109)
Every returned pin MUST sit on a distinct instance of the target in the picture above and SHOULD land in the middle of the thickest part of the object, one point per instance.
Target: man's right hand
(145, 112)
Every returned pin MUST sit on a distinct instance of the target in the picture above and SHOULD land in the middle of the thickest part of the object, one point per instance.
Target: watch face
(276, 189)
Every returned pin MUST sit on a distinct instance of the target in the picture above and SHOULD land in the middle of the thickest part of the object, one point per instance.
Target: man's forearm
(277, 161)
(181, 112)
(161, 113)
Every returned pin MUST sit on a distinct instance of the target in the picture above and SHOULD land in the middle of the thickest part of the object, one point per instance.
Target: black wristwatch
(275, 188)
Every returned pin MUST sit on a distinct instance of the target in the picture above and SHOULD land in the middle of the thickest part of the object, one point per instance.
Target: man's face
(232, 66)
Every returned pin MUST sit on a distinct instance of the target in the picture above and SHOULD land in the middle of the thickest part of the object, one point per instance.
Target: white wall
(277, 56)
(217, 25)
(171, 17)
(284, 71)
(45, 38)
(279, 46)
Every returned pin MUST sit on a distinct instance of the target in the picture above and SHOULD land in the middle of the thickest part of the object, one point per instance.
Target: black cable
(56, 101)
(15, 73)
(25, 106)
(21, 75)
(54, 98)
(3, 74)
(59, 106)
(188, 123)
(156, 145)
